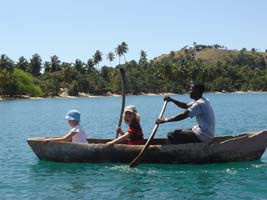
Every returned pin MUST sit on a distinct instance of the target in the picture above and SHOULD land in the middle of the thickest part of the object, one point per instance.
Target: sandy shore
(118, 95)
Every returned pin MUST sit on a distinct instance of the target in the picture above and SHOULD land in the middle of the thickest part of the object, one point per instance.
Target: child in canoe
(76, 134)
(134, 134)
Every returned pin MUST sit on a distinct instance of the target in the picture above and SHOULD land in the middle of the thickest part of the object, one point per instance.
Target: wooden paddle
(122, 74)
(138, 157)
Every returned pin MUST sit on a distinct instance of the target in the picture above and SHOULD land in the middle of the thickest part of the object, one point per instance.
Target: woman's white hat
(130, 108)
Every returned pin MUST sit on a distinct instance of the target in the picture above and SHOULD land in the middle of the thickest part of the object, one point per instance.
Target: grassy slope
(212, 55)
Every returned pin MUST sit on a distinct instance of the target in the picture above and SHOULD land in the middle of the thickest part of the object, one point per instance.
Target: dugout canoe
(243, 147)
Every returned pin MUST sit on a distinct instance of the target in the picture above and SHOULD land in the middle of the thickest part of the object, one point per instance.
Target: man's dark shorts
(182, 136)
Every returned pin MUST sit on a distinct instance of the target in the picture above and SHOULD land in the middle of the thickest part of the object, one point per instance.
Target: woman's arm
(119, 139)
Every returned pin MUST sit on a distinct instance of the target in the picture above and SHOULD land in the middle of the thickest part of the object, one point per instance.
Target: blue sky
(74, 29)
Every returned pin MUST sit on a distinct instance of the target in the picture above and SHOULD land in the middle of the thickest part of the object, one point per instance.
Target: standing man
(201, 109)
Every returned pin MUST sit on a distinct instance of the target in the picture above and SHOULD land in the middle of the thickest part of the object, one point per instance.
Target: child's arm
(119, 139)
(65, 138)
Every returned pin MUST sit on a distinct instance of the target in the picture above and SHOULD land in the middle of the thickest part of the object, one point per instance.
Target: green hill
(218, 68)
(212, 55)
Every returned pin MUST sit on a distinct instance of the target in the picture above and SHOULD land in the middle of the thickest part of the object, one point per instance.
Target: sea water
(23, 176)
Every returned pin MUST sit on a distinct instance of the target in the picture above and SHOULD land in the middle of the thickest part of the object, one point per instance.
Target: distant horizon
(76, 29)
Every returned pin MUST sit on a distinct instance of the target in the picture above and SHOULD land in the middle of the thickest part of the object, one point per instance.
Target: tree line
(244, 71)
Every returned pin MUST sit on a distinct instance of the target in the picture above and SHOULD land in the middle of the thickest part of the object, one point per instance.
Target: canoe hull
(245, 147)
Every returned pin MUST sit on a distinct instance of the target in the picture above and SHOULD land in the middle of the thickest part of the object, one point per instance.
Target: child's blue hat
(73, 115)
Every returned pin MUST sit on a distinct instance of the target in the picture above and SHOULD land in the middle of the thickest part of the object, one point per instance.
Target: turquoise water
(23, 176)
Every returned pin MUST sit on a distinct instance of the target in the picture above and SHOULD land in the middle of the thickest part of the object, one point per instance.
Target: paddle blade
(134, 162)
(139, 156)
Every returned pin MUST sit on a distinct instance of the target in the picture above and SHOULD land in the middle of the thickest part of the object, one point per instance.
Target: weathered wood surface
(244, 147)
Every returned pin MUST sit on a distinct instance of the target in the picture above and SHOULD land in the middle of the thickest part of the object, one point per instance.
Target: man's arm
(176, 102)
(175, 118)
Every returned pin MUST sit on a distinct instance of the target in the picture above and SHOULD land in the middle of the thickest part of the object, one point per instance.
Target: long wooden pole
(139, 156)
(122, 74)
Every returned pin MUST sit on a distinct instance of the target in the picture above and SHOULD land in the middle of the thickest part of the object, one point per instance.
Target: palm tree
(69, 72)
(124, 47)
(110, 57)
(55, 64)
(121, 50)
(143, 57)
(35, 65)
(47, 67)
(6, 81)
(118, 51)
(6, 63)
(90, 65)
(23, 64)
(79, 66)
(97, 57)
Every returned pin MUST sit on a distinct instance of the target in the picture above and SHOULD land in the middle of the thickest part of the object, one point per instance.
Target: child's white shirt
(80, 136)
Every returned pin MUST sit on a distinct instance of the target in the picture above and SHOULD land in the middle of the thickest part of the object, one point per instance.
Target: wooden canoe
(244, 147)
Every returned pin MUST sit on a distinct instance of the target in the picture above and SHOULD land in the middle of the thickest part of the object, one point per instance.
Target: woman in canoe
(134, 134)
(76, 134)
